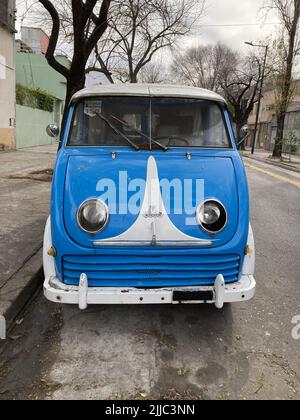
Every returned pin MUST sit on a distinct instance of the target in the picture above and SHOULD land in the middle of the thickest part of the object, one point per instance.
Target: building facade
(267, 126)
(34, 72)
(7, 75)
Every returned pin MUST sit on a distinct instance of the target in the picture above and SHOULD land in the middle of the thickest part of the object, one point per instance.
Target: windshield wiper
(165, 148)
(116, 131)
(179, 138)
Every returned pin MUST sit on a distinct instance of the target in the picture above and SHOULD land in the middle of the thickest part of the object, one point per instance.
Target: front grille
(150, 268)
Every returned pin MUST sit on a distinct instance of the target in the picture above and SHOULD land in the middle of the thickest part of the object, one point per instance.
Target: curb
(270, 162)
(20, 288)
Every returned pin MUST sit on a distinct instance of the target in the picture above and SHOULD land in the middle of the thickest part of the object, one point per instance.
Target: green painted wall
(32, 70)
(31, 127)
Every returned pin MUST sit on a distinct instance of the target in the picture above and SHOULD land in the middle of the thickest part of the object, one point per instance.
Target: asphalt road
(245, 351)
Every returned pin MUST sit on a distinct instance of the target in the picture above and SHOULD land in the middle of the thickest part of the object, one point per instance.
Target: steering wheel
(170, 138)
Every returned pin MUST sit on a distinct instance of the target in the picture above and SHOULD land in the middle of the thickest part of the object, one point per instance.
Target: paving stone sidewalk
(24, 207)
(265, 156)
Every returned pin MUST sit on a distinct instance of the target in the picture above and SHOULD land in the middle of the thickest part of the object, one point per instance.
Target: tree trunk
(242, 146)
(287, 80)
(109, 77)
(133, 78)
(277, 153)
(241, 119)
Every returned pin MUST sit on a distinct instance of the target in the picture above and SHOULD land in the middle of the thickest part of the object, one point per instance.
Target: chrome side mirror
(52, 130)
(244, 131)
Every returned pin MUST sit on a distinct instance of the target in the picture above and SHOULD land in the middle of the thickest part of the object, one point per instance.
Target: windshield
(144, 122)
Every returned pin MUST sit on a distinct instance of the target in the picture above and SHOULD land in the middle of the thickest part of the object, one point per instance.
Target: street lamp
(260, 90)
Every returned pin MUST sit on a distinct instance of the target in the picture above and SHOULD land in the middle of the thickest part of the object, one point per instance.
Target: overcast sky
(248, 20)
(225, 12)
(231, 22)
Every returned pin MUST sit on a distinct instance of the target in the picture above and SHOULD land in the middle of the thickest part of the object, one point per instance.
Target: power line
(236, 25)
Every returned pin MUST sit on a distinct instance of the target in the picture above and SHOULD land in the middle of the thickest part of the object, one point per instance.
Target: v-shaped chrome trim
(143, 232)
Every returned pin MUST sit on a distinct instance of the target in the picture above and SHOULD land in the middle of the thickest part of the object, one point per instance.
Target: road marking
(272, 174)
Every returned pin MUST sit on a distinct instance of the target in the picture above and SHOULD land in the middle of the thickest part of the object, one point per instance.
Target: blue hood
(85, 172)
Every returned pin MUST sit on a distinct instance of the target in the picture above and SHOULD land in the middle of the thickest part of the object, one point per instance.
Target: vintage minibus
(149, 201)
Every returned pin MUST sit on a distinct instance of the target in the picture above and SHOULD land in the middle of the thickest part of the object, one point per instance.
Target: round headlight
(92, 216)
(211, 216)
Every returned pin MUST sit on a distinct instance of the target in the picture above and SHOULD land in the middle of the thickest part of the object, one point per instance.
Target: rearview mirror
(52, 130)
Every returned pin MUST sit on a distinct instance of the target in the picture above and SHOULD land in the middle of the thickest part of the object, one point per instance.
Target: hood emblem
(153, 213)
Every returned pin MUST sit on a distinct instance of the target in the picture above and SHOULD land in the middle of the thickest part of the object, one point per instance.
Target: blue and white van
(149, 201)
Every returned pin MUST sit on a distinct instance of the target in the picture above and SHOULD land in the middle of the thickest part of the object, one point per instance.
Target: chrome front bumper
(83, 295)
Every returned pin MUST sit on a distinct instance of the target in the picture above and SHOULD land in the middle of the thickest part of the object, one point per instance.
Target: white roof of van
(148, 90)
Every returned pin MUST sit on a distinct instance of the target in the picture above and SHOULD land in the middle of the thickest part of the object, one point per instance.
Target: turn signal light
(248, 250)
(52, 252)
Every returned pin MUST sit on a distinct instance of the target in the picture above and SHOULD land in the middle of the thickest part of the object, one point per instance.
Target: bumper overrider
(83, 295)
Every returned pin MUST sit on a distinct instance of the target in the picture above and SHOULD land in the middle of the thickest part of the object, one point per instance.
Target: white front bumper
(83, 295)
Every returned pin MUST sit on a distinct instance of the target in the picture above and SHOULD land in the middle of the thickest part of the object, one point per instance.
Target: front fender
(249, 260)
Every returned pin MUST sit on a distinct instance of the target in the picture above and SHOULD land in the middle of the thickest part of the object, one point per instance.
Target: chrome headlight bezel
(79, 215)
(220, 224)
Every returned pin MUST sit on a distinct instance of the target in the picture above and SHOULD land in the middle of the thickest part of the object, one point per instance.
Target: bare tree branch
(139, 29)
(217, 67)
(84, 23)
(100, 26)
(50, 55)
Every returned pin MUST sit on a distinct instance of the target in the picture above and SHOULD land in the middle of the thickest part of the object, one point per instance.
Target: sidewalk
(24, 196)
(265, 156)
